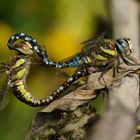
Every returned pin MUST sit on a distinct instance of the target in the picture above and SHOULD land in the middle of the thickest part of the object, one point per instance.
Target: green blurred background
(60, 26)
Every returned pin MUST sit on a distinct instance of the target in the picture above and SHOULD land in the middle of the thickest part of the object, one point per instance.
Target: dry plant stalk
(119, 120)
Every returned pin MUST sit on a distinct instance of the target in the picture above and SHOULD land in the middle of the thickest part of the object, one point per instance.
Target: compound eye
(121, 44)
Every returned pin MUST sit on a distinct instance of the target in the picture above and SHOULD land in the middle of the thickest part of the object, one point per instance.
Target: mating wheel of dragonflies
(99, 54)
(16, 69)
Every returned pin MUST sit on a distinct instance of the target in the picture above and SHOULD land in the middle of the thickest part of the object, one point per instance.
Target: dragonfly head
(23, 48)
(124, 46)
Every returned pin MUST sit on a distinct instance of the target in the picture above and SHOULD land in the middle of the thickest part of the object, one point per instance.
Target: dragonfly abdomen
(21, 91)
(34, 45)
(76, 61)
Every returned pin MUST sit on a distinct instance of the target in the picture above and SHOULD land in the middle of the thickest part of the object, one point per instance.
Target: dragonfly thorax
(17, 68)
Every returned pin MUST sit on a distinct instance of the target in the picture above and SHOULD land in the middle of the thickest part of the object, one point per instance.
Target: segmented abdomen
(74, 61)
(21, 90)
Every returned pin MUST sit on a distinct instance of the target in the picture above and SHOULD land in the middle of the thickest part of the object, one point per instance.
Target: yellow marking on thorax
(19, 62)
(88, 60)
(20, 73)
(108, 51)
(100, 57)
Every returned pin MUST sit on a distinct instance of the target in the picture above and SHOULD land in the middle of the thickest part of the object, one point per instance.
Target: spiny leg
(3, 67)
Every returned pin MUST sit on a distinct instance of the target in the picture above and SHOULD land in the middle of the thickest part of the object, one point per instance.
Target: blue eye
(121, 44)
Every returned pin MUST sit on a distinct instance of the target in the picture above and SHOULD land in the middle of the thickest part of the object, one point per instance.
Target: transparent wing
(4, 95)
(38, 62)
(92, 41)
(59, 72)
(62, 74)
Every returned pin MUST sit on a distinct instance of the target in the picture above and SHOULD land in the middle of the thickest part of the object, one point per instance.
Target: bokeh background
(59, 25)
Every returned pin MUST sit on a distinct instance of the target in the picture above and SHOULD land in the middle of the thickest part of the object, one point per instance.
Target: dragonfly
(95, 52)
(97, 55)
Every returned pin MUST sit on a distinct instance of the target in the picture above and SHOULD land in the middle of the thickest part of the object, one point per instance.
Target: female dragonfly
(17, 68)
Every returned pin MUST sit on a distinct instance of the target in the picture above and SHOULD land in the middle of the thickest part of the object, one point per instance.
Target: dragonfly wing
(92, 41)
(4, 95)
